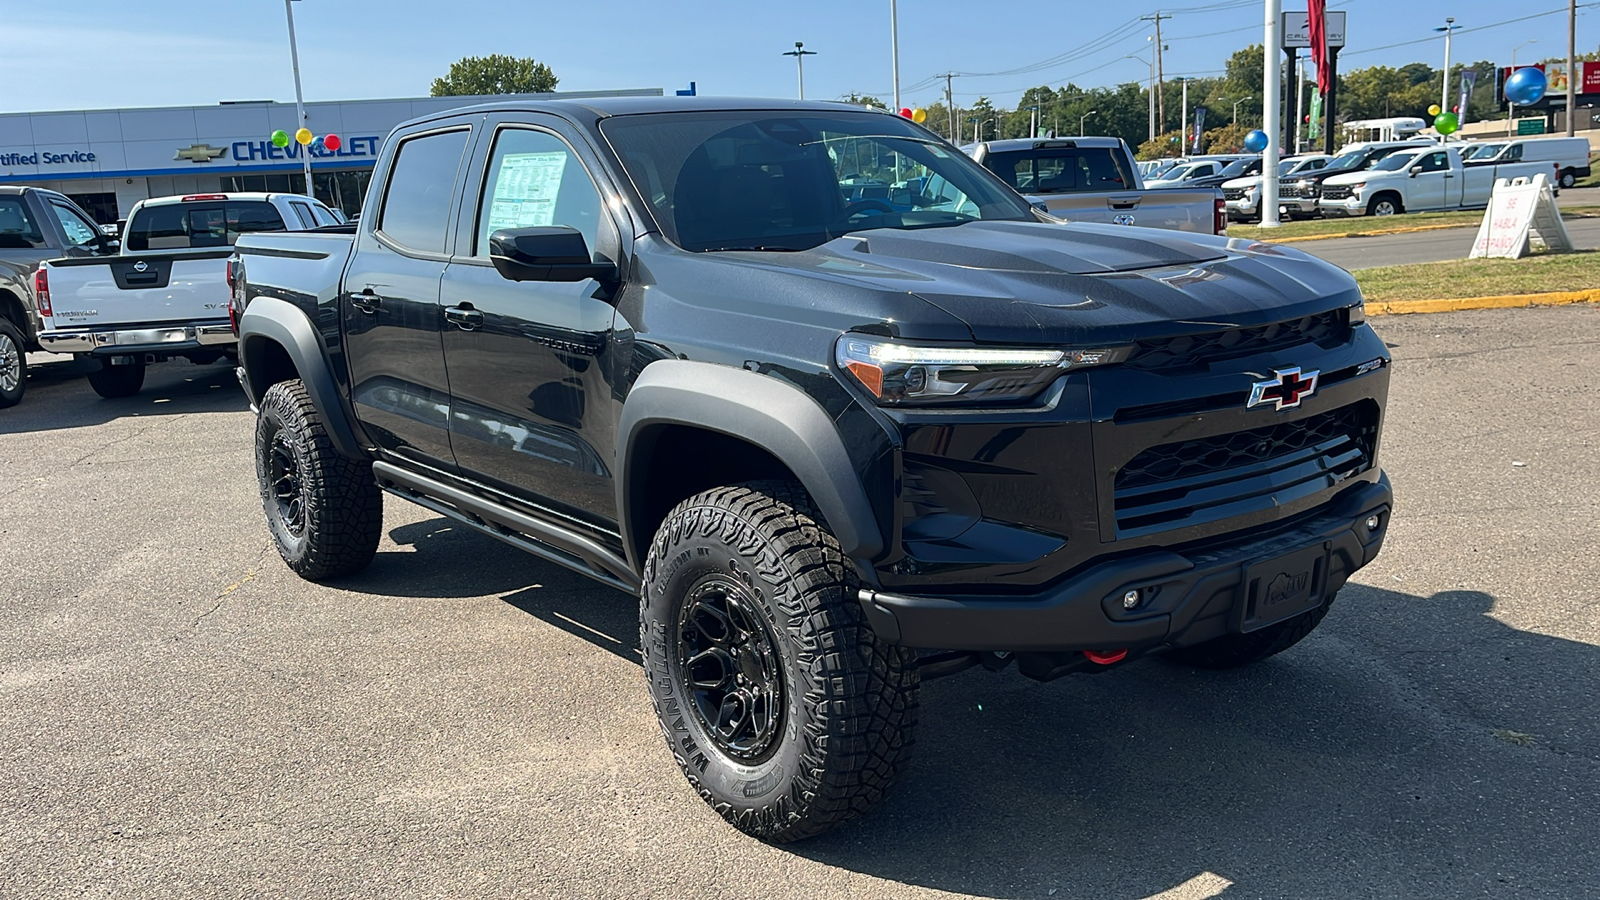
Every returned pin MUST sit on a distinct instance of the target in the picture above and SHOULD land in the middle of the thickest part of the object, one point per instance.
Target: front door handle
(463, 317)
(367, 301)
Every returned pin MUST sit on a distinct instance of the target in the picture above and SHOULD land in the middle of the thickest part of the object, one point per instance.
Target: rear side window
(422, 185)
(1053, 170)
(18, 231)
(303, 213)
(198, 226)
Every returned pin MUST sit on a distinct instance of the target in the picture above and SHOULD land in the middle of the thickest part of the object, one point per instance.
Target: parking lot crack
(249, 576)
(121, 440)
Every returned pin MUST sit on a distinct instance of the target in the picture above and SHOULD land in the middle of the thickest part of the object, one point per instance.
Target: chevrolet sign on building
(109, 159)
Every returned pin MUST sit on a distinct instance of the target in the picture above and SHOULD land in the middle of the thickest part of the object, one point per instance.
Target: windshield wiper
(755, 248)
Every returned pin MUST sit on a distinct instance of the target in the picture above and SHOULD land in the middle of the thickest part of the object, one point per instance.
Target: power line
(1467, 30)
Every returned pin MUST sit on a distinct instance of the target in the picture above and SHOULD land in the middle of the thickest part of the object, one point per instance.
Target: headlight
(1360, 185)
(906, 375)
(1358, 313)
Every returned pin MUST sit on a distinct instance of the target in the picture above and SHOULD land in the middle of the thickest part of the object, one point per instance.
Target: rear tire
(1235, 650)
(779, 703)
(116, 382)
(324, 510)
(1569, 179)
(13, 364)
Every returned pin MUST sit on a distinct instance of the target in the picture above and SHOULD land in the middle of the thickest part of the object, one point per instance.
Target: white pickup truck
(165, 294)
(1421, 179)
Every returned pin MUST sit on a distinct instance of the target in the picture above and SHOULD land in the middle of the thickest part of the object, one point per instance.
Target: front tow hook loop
(1106, 657)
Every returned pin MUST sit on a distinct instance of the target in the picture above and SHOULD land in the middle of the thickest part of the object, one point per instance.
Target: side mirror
(545, 253)
(1415, 171)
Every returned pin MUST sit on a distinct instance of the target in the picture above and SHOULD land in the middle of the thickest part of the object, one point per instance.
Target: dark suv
(834, 444)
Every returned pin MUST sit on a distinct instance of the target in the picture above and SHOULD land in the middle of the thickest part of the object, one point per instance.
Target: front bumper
(1195, 594)
(1354, 206)
(153, 339)
(1246, 207)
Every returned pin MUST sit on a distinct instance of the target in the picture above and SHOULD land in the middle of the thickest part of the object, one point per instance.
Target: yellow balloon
(1433, 110)
(303, 136)
(919, 116)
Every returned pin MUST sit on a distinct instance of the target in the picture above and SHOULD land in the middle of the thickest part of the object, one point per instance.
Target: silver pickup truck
(1094, 179)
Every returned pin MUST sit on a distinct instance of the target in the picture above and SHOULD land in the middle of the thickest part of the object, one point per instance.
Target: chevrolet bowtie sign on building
(109, 159)
(200, 153)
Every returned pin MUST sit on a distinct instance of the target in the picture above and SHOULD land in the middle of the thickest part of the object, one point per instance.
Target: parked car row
(159, 293)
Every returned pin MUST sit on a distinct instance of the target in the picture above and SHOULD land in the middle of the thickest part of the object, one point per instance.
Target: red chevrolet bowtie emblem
(1286, 388)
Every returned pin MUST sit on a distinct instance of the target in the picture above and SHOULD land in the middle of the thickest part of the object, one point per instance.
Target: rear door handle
(463, 317)
(367, 301)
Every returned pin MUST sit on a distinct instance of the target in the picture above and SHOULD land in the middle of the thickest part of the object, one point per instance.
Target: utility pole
(949, 104)
(800, 53)
(1444, 88)
(1183, 133)
(1572, 65)
(1511, 108)
(300, 100)
(1161, 74)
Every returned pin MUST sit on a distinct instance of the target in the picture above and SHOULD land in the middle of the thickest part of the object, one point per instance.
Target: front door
(532, 410)
(391, 302)
(1435, 186)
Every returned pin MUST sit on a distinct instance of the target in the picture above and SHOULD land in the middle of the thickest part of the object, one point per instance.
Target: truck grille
(1296, 191)
(1202, 480)
(1336, 192)
(1194, 349)
(1233, 193)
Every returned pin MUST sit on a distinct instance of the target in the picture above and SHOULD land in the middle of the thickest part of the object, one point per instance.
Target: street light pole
(894, 49)
(1236, 108)
(299, 99)
(1572, 65)
(1270, 112)
(1511, 106)
(1444, 87)
(1082, 118)
(800, 53)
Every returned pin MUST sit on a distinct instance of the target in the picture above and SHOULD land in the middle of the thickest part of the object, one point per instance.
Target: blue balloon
(1526, 86)
(1255, 141)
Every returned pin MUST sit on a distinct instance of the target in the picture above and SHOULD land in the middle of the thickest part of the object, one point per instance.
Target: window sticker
(525, 190)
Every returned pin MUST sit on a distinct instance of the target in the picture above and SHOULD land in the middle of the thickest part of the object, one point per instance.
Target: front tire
(1232, 651)
(779, 703)
(1384, 205)
(324, 510)
(13, 364)
(116, 382)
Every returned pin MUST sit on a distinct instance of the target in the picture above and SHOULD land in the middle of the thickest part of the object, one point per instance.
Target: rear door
(532, 405)
(390, 296)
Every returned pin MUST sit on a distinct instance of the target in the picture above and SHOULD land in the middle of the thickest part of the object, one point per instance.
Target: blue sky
(95, 54)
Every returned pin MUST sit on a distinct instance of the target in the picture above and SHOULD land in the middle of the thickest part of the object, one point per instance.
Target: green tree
(855, 99)
(497, 74)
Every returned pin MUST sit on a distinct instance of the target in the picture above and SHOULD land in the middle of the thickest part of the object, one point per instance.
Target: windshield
(1179, 173)
(1348, 160)
(1394, 162)
(1239, 166)
(1483, 151)
(1062, 170)
(760, 180)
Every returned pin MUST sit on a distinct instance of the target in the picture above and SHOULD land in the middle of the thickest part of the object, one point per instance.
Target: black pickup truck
(835, 446)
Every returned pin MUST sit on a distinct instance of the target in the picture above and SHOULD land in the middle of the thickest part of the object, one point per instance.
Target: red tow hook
(1106, 657)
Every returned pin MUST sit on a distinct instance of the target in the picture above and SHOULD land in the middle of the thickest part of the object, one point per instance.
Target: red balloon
(906, 111)
(331, 141)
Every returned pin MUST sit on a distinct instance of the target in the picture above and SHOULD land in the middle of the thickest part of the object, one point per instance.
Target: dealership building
(109, 159)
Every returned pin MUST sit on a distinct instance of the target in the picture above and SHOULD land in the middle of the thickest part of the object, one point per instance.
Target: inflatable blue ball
(1526, 86)
(1255, 141)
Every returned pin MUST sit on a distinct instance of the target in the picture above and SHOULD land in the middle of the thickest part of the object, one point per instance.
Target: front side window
(534, 179)
(1435, 162)
(422, 185)
(759, 180)
(79, 231)
(18, 231)
(1394, 163)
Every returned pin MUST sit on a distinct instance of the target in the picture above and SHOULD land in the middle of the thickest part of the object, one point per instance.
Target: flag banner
(1469, 80)
(1199, 126)
(1317, 16)
(1315, 129)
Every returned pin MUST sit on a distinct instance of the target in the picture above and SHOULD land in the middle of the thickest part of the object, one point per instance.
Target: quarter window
(79, 231)
(535, 180)
(416, 203)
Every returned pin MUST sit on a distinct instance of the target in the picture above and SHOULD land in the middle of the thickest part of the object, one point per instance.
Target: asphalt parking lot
(180, 716)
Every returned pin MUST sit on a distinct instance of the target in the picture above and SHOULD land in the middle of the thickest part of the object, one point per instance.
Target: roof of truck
(604, 107)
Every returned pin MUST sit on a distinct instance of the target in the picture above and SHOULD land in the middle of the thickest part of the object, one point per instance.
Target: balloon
(1526, 86)
(905, 111)
(331, 141)
(1255, 141)
(1446, 123)
(1434, 110)
(919, 115)
(303, 136)
(280, 138)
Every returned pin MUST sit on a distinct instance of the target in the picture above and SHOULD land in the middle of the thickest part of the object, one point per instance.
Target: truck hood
(1027, 283)
(1249, 181)
(1354, 177)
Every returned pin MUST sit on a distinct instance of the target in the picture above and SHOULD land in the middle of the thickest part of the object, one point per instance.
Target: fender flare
(270, 320)
(762, 410)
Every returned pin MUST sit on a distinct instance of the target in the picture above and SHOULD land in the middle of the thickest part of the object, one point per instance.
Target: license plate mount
(1281, 587)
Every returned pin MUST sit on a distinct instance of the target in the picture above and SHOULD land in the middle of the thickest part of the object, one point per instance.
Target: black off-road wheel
(1233, 651)
(324, 510)
(780, 705)
(13, 364)
(115, 382)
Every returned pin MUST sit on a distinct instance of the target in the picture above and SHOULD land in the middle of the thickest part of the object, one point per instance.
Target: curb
(1510, 301)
